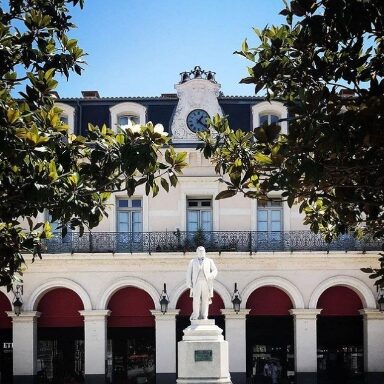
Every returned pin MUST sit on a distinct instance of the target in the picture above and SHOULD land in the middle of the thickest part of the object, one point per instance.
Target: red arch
(185, 304)
(339, 301)
(130, 307)
(60, 308)
(5, 305)
(269, 301)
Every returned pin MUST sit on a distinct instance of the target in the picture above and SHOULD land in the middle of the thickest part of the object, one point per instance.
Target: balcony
(215, 241)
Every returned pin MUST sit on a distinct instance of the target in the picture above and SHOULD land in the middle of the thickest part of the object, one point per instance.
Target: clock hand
(199, 120)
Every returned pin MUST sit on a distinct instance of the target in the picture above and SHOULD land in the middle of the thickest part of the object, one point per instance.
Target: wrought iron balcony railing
(214, 241)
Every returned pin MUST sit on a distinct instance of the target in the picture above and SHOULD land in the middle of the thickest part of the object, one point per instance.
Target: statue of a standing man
(200, 274)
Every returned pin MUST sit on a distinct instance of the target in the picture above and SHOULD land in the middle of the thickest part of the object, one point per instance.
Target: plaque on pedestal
(203, 355)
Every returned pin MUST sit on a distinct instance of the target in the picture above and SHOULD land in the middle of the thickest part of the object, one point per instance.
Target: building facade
(91, 307)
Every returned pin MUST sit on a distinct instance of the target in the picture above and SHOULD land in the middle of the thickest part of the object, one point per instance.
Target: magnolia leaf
(262, 159)
(225, 194)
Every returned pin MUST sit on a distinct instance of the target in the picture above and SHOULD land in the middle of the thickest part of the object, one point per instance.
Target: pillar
(95, 345)
(24, 329)
(373, 323)
(165, 346)
(235, 334)
(305, 335)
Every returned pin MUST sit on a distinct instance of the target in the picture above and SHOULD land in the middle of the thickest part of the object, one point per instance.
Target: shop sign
(203, 355)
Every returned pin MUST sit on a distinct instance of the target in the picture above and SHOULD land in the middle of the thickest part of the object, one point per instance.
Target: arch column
(95, 345)
(305, 336)
(24, 329)
(235, 334)
(373, 321)
(165, 340)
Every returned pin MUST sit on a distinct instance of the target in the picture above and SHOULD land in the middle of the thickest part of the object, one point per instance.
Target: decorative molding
(359, 287)
(127, 108)
(309, 314)
(193, 94)
(95, 314)
(50, 285)
(170, 315)
(230, 314)
(371, 314)
(69, 113)
(24, 317)
(274, 281)
(129, 282)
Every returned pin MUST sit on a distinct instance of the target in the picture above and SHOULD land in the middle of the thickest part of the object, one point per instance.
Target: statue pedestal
(203, 355)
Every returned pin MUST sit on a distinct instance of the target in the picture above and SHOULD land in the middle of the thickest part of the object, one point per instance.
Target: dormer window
(124, 120)
(67, 116)
(268, 119)
(270, 113)
(127, 113)
(64, 119)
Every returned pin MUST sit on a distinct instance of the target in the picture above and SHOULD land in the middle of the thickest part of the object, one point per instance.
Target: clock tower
(197, 92)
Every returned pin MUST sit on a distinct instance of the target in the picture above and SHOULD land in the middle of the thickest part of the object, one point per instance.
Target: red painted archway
(339, 301)
(60, 308)
(185, 304)
(5, 305)
(267, 301)
(130, 307)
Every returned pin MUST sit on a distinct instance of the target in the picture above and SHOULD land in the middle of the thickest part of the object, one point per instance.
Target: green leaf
(262, 159)
(12, 115)
(225, 194)
(164, 184)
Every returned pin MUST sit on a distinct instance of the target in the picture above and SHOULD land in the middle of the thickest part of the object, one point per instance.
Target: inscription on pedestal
(203, 355)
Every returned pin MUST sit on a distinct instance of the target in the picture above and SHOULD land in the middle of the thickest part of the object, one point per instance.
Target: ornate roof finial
(197, 73)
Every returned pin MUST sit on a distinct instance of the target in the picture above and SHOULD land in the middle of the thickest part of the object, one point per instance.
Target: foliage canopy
(326, 65)
(44, 169)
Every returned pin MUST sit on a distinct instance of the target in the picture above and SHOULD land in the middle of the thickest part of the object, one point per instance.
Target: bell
(184, 77)
(211, 76)
(197, 72)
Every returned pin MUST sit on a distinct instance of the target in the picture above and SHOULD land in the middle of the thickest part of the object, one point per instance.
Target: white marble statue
(200, 275)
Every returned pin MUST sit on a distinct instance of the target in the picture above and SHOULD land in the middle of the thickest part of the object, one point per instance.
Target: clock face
(197, 120)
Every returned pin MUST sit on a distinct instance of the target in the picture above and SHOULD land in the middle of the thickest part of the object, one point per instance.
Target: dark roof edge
(152, 98)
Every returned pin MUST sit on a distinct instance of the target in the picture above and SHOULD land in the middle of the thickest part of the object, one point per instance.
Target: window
(129, 215)
(64, 119)
(270, 215)
(122, 113)
(199, 215)
(268, 119)
(129, 225)
(67, 116)
(128, 119)
(270, 112)
(270, 224)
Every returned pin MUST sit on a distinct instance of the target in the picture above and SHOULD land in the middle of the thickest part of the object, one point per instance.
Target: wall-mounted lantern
(18, 302)
(236, 299)
(164, 300)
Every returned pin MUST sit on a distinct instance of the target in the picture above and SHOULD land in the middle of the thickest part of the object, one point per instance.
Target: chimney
(169, 95)
(90, 94)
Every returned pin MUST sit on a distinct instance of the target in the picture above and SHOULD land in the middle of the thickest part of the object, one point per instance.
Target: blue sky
(139, 47)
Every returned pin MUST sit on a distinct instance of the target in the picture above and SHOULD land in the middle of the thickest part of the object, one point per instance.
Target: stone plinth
(203, 355)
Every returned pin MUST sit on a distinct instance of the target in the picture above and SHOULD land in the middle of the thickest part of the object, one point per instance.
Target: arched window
(126, 113)
(67, 116)
(126, 119)
(269, 113)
